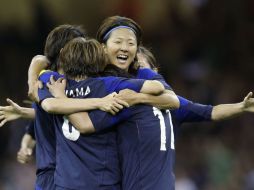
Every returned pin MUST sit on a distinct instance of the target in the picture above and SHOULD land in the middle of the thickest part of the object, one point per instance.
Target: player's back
(146, 149)
(88, 161)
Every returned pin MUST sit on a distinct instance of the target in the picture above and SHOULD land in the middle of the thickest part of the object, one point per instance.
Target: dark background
(205, 49)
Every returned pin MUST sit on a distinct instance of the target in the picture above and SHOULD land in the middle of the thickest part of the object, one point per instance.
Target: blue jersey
(30, 129)
(146, 145)
(149, 74)
(190, 112)
(146, 149)
(88, 161)
(45, 145)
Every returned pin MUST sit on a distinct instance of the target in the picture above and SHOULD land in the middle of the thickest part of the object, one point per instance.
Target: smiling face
(121, 47)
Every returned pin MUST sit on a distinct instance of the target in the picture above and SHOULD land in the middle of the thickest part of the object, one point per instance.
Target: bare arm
(38, 63)
(14, 112)
(167, 100)
(82, 122)
(226, 111)
(71, 105)
(153, 87)
(63, 105)
(25, 152)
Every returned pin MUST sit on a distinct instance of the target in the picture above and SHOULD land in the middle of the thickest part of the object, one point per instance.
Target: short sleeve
(149, 74)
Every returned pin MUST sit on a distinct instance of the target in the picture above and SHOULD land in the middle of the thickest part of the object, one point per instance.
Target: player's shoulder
(110, 79)
(146, 73)
(44, 75)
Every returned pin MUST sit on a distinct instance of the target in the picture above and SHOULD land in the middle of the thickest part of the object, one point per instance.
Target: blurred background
(205, 49)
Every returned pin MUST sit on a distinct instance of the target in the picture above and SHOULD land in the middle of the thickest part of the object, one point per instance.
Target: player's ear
(105, 48)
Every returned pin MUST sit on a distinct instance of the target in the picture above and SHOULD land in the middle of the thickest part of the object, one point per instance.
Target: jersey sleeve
(191, 112)
(30, 129)
(115, 84)
(149, 74)
(44, 77)
(102, 120)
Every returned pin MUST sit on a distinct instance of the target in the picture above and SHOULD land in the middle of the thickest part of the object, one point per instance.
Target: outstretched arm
(226, 111)
(14, 111)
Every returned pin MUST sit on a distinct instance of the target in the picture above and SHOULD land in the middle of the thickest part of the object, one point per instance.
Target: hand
(33, 89)
(112, 104)
(24, 155)
(57, 88)
(248, 103)
(127, 95)
(10, 113)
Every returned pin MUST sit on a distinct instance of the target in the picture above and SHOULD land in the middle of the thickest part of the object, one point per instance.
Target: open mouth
(122, 58)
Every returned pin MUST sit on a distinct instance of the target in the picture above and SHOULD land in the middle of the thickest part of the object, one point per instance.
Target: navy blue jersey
(145, 141)
(88, 161)
(146, 145)
(190, 112)
(146, 149)
(45, 144)
(149, 74)
(30, 129)
(45, 136)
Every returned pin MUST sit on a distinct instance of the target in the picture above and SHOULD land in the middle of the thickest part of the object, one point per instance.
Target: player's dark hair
(115, 21)
(56, 40)
(112, 70)
(81, 57)
(149, 57)
(112, 22)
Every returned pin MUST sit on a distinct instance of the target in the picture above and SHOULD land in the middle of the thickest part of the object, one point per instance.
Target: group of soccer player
(103, 117)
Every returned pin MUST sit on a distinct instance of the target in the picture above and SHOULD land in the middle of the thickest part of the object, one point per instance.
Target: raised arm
(38, 63)
(226, 111)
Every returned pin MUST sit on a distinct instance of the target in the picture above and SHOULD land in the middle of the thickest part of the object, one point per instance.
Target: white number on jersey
(159, 114)
(69, 131)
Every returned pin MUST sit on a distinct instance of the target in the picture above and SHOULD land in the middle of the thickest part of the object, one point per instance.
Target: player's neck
(80, 78)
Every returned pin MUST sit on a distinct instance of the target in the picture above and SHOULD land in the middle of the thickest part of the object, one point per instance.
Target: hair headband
(117, 27)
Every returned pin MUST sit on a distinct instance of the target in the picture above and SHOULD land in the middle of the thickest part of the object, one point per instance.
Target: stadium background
(205, 49)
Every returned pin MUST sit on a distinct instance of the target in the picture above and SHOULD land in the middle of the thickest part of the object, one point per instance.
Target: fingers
(112, 112)
(11, 103)
(3, 122)
(24, 155)
(2, 108)
(52, 80)
(2, 117)
(48, 84)
(113, 94)
(249, 95)
(115, 109)
(40, 84)
(123, 103)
